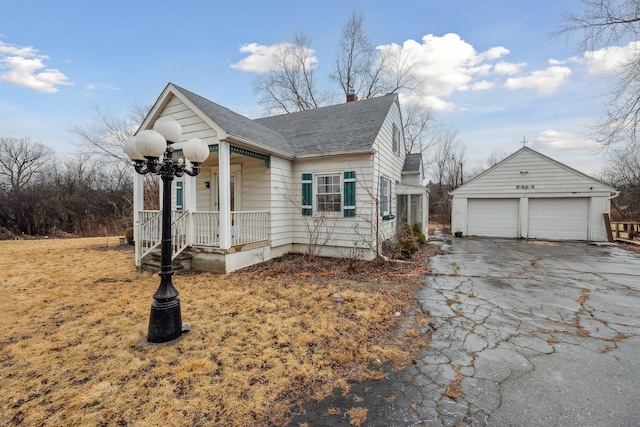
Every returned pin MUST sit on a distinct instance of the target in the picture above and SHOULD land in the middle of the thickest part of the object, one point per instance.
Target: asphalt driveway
(526, 333)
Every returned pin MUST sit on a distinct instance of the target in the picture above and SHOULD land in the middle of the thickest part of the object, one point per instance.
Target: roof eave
(253, 144)
(336, 153)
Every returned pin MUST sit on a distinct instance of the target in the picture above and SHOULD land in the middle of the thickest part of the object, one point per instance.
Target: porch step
(180, 264)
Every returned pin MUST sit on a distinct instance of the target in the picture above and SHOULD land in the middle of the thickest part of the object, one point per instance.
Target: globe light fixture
(145, 149)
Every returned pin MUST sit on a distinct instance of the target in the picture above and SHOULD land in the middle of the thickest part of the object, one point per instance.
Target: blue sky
(490, 67)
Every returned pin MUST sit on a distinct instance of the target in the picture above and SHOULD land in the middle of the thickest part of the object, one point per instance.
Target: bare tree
(623, 173)
(22, 162)
(356, 68)
(446, 171)
(106, 134)
(495, 157)
(103, 138)
(420, 128)
(602, 23)
(291, 85)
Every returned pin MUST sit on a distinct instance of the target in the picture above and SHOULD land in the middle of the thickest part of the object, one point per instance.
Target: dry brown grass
(261, 341)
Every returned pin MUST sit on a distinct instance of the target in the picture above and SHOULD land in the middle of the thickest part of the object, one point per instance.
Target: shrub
(408, 243)
(418, 234)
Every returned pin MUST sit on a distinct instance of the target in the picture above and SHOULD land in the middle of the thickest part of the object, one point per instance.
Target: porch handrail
(149, 236)
(179, 240)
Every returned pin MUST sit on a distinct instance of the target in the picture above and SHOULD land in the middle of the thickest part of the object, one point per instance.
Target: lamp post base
(165, 321)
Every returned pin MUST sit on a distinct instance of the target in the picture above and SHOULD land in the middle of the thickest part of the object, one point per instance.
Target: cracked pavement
(524, 333)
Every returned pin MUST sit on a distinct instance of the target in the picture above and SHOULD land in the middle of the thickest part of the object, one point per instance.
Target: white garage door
(492, 217)
(558, 219)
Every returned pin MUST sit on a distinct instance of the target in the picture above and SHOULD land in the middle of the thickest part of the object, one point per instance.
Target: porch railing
(249, 227)
(246, 227)
(149, 234)
(179, 233)
(206, 228)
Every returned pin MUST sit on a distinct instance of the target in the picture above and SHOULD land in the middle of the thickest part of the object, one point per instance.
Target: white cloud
(90, 88)
(447, 64)
(496, 53)
(260, 59)
(483, 85)
(508, 68)
(609, 61)
(263, 59)
(24, 66)
(545, 82)
(563, 141)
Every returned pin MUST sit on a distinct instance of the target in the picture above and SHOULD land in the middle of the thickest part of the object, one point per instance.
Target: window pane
(402, 210)
(328, 197)
(416, 208)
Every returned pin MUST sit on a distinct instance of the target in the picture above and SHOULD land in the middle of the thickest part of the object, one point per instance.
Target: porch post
(189, 203)
(138, 206)
(224, 190)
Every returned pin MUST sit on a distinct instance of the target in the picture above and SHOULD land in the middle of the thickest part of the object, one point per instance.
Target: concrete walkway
(525, 334)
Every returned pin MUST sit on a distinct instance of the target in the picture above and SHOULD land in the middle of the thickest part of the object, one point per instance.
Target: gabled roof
(237, 125)
(525, 151)
(342, 128)
(412, 163)
(351, 127)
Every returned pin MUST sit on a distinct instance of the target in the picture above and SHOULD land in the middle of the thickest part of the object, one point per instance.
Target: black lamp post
(145, 148)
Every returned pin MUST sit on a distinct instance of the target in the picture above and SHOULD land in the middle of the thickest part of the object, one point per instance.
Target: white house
(334, 179)
(529, 195)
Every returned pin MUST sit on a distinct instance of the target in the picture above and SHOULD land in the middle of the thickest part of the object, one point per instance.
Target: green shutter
(381, 196)
(391, 215)
(179, 195)
(307, 194)
(349, 202)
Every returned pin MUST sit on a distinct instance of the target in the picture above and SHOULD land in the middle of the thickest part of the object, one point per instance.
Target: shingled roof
(412, 163)
(348, 127)
(342, 128)
(238, 125)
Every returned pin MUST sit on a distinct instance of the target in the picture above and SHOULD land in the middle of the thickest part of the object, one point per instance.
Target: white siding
(527, 174)
(192, 125)
(388, 164)
(270, 183)
(337, 230)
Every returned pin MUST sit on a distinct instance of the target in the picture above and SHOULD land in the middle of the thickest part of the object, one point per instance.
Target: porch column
(224, 190)
(189, 202)
(138, 206)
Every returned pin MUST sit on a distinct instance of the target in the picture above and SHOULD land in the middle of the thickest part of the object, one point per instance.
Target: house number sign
(525, 187)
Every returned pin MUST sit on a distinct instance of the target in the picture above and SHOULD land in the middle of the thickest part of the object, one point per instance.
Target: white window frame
(395, 139)
(385, 197)
(317, 194)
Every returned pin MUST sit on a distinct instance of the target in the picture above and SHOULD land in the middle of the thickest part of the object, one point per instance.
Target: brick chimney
(351, 96)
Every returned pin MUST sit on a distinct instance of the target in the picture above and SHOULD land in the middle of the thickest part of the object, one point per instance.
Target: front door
(215, 193)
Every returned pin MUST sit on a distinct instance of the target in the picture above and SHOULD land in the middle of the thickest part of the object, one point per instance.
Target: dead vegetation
(262, 339)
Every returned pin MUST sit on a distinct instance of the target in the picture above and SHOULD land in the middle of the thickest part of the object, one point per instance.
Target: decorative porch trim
(242, 151)
(266, 159)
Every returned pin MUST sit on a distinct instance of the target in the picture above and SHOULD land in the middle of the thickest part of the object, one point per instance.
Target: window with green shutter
(349, 185)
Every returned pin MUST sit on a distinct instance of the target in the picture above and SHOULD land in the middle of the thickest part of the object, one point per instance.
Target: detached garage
(529, 195)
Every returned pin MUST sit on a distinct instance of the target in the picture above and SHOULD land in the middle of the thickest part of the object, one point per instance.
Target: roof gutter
(336, 153)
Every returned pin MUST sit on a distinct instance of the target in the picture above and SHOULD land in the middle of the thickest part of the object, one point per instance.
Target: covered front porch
(207, 219)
